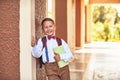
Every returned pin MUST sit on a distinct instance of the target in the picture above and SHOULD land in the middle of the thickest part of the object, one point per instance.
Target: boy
(50, 59)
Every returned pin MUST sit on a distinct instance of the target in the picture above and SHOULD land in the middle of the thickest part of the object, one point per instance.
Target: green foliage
(106, 24)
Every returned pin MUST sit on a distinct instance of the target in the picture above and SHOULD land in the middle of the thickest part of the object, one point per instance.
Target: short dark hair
(46, 19)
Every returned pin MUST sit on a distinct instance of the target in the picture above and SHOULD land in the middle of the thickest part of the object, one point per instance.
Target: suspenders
(44, 41)
(46, 51)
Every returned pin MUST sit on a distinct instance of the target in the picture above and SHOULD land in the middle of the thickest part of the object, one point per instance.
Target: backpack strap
(41, 62)
(44, 41)
(59, 41)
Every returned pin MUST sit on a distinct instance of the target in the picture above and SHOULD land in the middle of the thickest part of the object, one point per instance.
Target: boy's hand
(33, 42)
(57, 57)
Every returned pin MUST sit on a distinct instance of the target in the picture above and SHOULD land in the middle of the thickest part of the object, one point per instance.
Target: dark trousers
(53, 72)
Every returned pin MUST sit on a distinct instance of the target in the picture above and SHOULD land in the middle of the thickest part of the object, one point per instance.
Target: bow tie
(51, 37)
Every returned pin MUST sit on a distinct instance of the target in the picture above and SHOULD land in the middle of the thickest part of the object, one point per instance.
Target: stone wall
(40, 14)
(9, 40)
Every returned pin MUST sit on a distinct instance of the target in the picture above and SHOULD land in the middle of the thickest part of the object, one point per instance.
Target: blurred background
(91, 29)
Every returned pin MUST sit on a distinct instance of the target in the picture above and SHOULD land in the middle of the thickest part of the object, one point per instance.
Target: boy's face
(48, 28)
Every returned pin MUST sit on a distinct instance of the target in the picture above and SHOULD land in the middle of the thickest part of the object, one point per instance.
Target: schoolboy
(50, 59)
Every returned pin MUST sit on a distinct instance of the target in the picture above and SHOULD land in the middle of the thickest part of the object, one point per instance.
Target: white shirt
(38, 50)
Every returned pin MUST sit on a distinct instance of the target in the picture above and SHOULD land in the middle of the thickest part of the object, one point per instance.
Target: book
(60, 50)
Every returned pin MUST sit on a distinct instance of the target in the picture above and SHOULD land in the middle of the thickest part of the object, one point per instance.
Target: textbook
(60, 50)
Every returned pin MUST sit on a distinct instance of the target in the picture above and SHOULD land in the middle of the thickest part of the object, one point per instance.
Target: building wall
(9, 40)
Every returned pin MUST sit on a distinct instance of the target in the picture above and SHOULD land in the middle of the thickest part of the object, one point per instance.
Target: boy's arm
(36, 48)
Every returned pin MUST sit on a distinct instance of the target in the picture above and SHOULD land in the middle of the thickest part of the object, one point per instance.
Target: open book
(60, 50)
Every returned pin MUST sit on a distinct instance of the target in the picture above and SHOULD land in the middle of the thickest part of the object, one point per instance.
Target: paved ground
(97, 61)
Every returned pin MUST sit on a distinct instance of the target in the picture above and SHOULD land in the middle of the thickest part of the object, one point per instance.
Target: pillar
(80, 23)
(27, 62)
(61, 18)
(65, 21)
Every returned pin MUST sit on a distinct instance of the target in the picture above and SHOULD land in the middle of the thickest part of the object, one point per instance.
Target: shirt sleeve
(37, 49)
(68, 54)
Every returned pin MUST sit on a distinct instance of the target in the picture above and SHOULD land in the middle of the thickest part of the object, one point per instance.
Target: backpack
(44, 42)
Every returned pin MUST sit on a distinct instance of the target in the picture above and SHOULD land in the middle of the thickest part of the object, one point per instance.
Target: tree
(108, 17)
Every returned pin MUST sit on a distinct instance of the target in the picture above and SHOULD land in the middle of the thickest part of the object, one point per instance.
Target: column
(80, 23)
(27, 62)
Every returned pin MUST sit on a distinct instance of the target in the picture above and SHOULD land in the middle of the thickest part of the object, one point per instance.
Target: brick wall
(9, 40)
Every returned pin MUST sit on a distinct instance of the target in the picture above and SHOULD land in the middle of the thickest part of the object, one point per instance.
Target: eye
(50, 26)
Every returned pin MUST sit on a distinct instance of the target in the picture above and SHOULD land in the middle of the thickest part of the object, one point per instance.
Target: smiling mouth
(49, 32)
